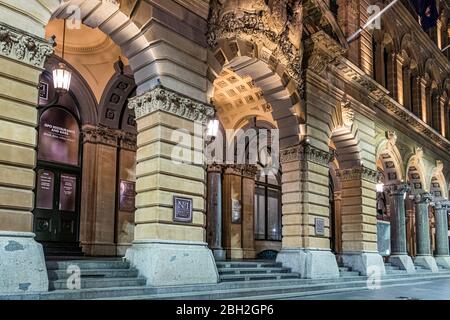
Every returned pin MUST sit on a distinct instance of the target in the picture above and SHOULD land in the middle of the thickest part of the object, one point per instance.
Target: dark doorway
(58, 182)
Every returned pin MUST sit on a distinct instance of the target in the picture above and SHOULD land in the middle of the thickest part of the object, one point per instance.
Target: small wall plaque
(320, 227)
(182, 209)
(43, 90)
(236, 211)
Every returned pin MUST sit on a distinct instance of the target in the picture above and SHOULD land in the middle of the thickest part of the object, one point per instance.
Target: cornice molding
(163, 99)
(24, 47)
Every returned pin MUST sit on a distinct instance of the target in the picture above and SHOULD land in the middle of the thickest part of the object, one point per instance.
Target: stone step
(344, 269)
(267, 292)
(349, 273)
(95, 273)
(87, 264)
(391, 267)
(251, 277)
(397, 271)
(100, 283)
(244, 264)
(252, 270)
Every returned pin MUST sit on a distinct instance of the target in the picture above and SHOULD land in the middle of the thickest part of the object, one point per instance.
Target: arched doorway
(58, 171)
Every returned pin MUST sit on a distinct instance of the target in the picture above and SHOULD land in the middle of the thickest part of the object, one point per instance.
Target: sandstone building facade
(362, 130)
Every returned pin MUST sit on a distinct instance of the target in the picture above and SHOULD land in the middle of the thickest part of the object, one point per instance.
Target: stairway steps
(100, 283)
(267, 276)
(233, 264)
(349, 273)
(224, 271)
(95, 273)
(87, 264)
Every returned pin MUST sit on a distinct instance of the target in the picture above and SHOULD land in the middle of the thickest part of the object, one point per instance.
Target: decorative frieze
(128, 141)
(101, 135)
(423, 198)
(163, 99)
(358, 173)
(306, 152)
(249, 171)
(26, 48)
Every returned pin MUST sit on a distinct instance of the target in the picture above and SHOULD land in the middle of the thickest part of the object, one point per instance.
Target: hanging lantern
(61, 78)
(213, 128)
(61, 74)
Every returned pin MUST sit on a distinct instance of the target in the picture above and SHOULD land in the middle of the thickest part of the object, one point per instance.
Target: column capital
(214, 168)
(358, 173)
(249, 171)
(423, 198)
(163, 99)
(233, 169)
(442, 205)
(397, 189)
(24, 47)
(128, 141)
(306, 152)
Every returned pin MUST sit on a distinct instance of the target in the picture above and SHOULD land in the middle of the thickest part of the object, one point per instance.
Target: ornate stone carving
(441, 205)
(249, 171)
(26, 48)
(423, 198)
(391, 136)
(163, 99)
(101, 135)
(358, 173)
(345, 113)
(233, 169)
(276, 25)
(306, 152)
(128, 141)
(397, 189)
(321, 50)
(215, 168)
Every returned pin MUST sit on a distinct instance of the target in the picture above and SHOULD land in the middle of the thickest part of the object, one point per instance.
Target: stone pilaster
(359, 222)
(424, 257)
(22, 57)
(399, 256)
(170, 238)
(214, 211)
(248, 210)
(232, 211)
(442, 248)
(306, 200)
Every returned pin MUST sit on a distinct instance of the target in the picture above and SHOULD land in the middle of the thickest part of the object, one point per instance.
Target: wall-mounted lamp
(213, 128)
(380, 187)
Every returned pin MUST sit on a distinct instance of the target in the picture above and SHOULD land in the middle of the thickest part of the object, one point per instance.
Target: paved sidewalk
(429, 290)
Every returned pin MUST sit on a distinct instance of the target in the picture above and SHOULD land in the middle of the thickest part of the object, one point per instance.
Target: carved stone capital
(214, 168)
(19, 45)
(128, 141)
(321, 50)
(233, 169)
(249, 171)
(358, 173)
(423, 198)
(397, 189)
(306, 152)
(163, 99)
(101, 135)
(442, 205)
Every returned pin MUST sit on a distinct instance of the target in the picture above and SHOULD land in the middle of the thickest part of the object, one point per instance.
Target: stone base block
(443, 261)
(427, 262)
(168, 263)
(311, 264)
(404, 262)
(367, 263)
(22, 264)
(220, 254)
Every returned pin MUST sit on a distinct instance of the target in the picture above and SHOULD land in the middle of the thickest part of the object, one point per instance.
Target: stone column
(424, 257)
(169, 246)
(98, 198)
(399, 256)
(442, 249)
(22, 57)
(359, 221)
(400, 62)
(248, 211)
(214, 211)
(232, 212)
(442, 116)
(305, 248)
(424, 93)
(338, 221)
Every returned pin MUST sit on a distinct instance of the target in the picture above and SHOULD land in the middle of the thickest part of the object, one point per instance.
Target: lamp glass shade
(213, 128)
(62, 78)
